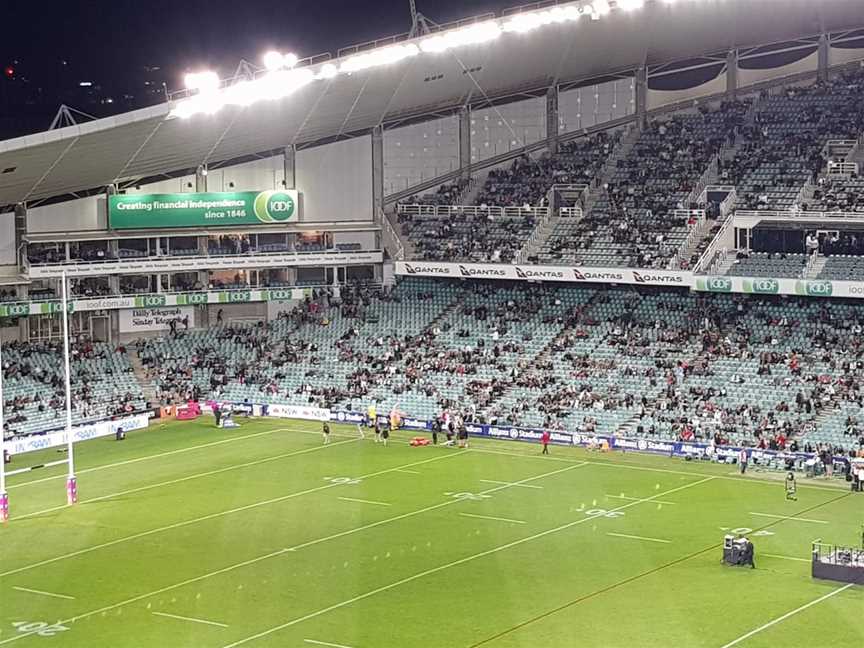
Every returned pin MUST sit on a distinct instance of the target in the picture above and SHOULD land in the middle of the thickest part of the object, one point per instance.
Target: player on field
(325, 431)
(371, 415)
(545, 439)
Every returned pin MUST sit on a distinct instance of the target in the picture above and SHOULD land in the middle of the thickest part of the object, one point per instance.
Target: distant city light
(86, 84)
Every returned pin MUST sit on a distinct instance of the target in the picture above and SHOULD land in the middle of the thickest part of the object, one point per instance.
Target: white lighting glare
(471, 35)
(630, 5)
(379, 57)
(272, 60)
(283, 77)
(275, 61)
(328, 71)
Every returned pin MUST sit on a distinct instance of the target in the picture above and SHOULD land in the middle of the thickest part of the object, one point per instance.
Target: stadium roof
(151, 141)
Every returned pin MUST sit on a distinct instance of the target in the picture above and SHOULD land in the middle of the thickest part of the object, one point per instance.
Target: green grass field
(190, 536)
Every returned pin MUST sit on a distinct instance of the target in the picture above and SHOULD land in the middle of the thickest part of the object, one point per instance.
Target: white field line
(670, 471)
(149, 457)
(409, 472)
(363, 501)
(280, 552)
(491, 517)
(441, 568)
(210, 516)
(639, 499)
(502, 483)
(806, 560)
(788, 517)
(324, 643)
(635, 537)
(41, 593)
(180, 480)
(425, 509)
(780, 619)
(141, 597)
(192, 619)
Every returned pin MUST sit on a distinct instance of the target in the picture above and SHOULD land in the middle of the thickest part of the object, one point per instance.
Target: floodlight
(328, 71)
(202, 81)
(273, 60)
(630, 5)
(471, 35)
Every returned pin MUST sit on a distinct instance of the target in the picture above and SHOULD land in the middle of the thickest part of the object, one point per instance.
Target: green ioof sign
(761, 286)
(714, 284)
(159, 211)
(814, 288)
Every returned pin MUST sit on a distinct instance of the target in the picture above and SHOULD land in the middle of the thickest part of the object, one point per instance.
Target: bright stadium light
(599, 8)
(328, 71)
(275, 61)
(272, 60)
(528, 21)
(471, 35)
(202, 81)
(379, 57)
(630, 5)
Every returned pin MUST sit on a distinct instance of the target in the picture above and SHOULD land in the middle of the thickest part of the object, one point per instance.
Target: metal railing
(399, 254)
(836, 169)
(702, 183)
(449, 211)
(798, 214)
(693, 235)
(716, 251)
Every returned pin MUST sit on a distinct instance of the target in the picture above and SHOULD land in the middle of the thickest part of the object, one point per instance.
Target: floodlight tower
(71, 481)
(419, 22)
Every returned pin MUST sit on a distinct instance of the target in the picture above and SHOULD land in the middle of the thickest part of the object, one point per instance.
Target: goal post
(71, 481)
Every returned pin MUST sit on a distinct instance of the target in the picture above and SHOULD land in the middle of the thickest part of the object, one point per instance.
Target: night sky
(105, 40)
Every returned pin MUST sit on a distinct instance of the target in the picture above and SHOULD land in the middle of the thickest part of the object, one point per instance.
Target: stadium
(541, 327)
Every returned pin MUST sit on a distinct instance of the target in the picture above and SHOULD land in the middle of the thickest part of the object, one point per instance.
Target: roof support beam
(732, 75)
(465, 141)
(824, 56)
(641, 96)
(552, 119)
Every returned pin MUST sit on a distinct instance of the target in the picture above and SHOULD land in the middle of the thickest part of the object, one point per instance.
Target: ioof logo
(819, 288)
(718, 284)
(17, 310)
(274, 206)
(763, 286)
(196, 299)
(153, 301)
(240, 296)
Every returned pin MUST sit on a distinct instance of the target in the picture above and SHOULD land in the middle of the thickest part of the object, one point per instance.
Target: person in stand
(219, 317)
(545, 439)
(325, 431)
(742, 460)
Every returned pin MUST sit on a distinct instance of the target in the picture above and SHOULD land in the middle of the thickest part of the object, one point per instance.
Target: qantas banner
(545, 273)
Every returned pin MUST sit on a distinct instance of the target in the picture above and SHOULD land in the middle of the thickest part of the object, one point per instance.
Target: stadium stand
(634, 221)
(653, 362)
(103, 385)
(782, 149)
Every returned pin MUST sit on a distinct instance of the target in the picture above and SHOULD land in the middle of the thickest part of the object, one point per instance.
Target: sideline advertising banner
(571, 274)
(161, 211)
(204, 262)
(81, 433)
(298, 412)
